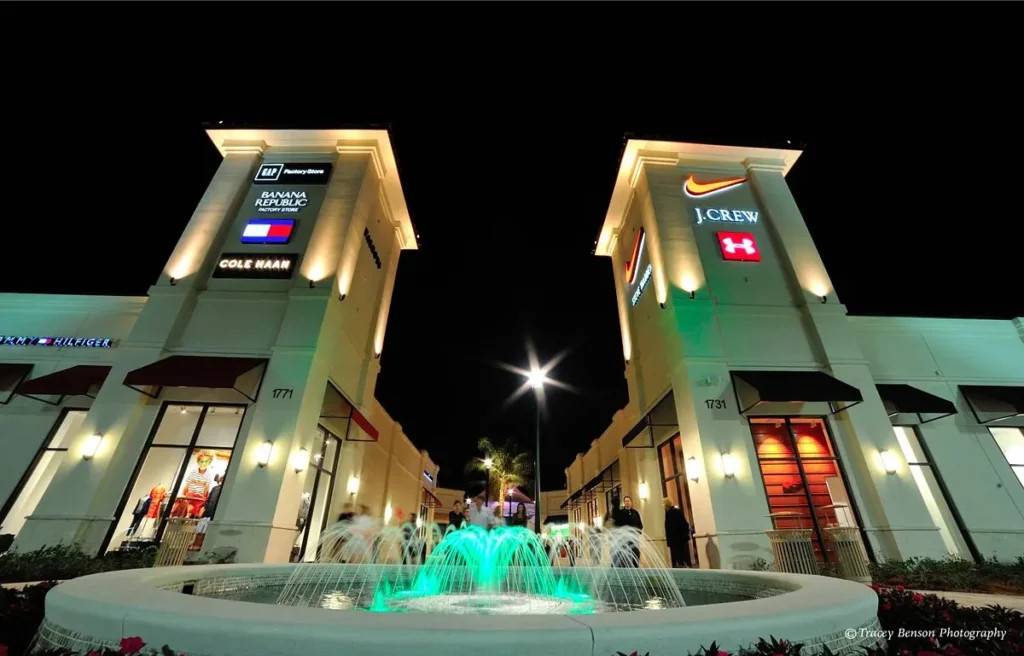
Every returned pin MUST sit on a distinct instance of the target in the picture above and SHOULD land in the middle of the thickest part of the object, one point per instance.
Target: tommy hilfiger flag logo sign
(57, 342)
(739, 246)
(302, 173)
(268, 231)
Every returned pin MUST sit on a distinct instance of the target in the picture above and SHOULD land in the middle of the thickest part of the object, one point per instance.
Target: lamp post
(536, 379)
(488, 462)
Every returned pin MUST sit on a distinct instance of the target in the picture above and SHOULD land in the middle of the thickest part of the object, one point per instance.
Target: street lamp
(488, 463)
(536, 378)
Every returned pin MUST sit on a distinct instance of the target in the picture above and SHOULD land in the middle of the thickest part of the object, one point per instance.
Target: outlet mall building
(243, 381)
(252, 358)
(756, 402)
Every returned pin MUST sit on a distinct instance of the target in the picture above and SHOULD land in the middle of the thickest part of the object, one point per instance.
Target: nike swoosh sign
(631, 265)
(694, 188)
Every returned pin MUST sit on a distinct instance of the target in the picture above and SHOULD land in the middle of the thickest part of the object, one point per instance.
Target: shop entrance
(314, 509)
(802, 477)
(179, 473)
(674, 485)
(26, 496)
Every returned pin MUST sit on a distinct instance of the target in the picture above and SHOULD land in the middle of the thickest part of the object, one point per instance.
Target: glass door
(802, 478)
(674, 485)
(316, 497)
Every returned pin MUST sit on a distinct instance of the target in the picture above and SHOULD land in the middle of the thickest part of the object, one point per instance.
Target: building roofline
(638, 152)
(375, 142)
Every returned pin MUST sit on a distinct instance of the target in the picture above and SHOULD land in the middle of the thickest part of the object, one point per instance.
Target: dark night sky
(909, 192)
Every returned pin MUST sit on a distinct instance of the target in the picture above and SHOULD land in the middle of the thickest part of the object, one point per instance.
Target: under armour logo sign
(739, 246)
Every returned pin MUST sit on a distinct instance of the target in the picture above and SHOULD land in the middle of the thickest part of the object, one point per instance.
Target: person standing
(519, 519)
(479, 516)
(677, 534)
(455, 518)
(627, 516)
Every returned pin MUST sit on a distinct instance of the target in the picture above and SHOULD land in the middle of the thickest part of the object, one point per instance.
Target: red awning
(199, 371)
(431, 501)
(12, 374)
(365, 424)
(79, 380)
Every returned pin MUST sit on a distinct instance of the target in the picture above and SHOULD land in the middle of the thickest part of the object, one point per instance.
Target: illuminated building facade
(248, 369)
(757, 403)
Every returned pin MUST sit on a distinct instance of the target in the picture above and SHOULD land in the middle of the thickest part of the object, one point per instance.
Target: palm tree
(509, 466)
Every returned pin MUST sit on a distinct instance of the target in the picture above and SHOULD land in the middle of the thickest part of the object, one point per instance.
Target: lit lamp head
(91, 446)
(353, 485)
(263, 455)
(643, 492)
(536, 378)
(728, 465)
(692, 469)
(889, 462)
(300, 460)
(388, 511)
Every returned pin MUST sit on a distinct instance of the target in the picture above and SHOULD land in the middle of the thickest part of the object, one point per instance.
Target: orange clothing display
(197, 485)
(156, 497)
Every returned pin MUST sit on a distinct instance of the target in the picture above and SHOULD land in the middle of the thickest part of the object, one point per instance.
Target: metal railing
(178, 537)
(793, 551)
(849, 552)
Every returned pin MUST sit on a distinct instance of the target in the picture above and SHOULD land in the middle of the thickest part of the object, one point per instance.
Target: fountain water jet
(473, 571)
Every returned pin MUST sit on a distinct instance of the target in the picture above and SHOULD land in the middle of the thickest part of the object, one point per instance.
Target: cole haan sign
(277, 266)
(57, 342)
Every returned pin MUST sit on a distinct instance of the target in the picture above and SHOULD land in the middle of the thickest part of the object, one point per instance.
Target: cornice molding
(364, 148)
(237, 146)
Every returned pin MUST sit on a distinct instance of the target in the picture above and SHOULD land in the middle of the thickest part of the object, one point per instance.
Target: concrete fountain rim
(102, 608)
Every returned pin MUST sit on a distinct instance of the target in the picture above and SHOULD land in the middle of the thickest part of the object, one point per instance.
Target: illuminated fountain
(509, 571)
(576, 595)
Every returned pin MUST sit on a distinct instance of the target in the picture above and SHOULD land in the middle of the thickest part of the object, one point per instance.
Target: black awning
(634, 433)
(556, 519)
(80, 380)
(907, 399)
(1005, 401)
(572, 497)
(12, 375)
(240, 374)
(792, 387)
(597, 480)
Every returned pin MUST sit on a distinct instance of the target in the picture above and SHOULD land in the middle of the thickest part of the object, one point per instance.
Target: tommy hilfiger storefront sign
(58, 342)
(248, 265)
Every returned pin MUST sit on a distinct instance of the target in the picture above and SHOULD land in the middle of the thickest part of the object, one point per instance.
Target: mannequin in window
(210, 507)
(156, 497)
(196, 486)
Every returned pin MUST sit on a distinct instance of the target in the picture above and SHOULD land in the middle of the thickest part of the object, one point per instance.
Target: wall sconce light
(174, 281)
(643, 492)
(661, 305)
(300, 460)
(263, 455)
(889, 462)
(692, 469)
(376, 356)
(598, 521)
(341, 297)
(419, 522)
(824, 298)
(692, 293)
(353, 485)
(91, 446)
(387, 513)
(728, 465)
(311, 283)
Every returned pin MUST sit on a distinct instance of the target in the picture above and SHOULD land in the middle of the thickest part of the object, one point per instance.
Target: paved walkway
(979, 599)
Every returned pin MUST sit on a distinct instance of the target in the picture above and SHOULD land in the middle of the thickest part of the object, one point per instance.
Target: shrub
(21, 613)
(67, 562)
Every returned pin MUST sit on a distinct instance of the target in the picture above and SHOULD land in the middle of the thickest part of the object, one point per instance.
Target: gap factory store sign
(280, 173)
(57, 342)
(278, 266)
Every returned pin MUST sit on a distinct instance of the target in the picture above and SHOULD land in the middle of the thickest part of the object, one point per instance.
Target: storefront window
(187, 459)
(316, 495)
(38, 476)
(801, 476)
(934, 498)
(674, 484)
(1011, 442)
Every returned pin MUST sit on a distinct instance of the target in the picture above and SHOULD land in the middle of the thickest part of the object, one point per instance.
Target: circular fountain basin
(196, 611)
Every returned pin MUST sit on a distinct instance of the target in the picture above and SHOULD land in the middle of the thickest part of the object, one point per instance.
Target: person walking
(677, 534)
